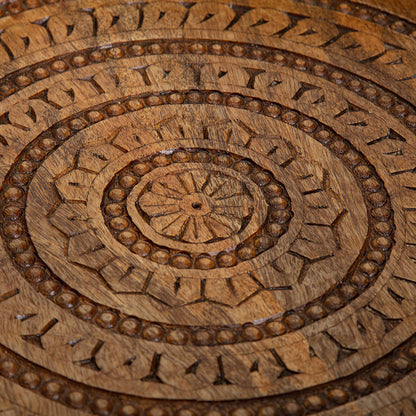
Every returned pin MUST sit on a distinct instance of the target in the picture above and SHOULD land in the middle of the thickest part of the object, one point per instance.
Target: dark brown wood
(208, 208)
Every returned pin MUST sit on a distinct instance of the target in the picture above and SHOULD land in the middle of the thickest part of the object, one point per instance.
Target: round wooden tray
(207, 208)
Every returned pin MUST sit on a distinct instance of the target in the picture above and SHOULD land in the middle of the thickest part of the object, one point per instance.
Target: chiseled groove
(26, 70)
(162, 94)
(201, 406)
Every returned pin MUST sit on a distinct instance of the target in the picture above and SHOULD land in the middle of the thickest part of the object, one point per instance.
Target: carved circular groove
(361, 281)
(212, 207)
(193, 225)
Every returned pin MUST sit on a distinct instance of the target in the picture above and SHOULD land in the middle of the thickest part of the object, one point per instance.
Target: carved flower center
(197, 206)
(196, 203)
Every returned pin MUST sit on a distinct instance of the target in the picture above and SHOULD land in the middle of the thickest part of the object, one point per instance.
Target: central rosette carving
(197, 207)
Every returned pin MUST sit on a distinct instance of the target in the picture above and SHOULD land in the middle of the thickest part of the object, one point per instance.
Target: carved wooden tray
(208, 208)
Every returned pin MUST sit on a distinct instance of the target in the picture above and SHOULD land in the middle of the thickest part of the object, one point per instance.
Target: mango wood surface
(208, 208)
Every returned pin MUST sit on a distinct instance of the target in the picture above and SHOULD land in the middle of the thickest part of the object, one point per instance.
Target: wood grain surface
(208, 208)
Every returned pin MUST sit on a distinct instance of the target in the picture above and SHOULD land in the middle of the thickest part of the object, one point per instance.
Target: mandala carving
(213, 200)
(199, 208)
(207, 209)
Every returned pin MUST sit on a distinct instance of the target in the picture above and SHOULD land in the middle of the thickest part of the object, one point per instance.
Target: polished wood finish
(208, 208)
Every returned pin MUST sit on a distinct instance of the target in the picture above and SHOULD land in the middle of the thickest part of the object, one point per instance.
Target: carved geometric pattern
(193, 206)
(317, 242)
(207, 208)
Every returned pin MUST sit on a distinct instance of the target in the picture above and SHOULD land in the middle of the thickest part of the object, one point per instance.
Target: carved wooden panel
(208, 208)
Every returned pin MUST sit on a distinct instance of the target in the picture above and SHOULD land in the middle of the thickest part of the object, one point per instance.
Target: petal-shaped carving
(87, 249)
(321, 208)
(236, 207)
(129, 138)
(96, 158)
(283, 271)
(225, 73)
(313, 32)
(169, 186)
(315, 242)
(124, 278)
(169, 224)
(196, 231)
(276, 148)
(70, 218)
(310, 175)
(230, 291)
(220, 228)
(75, 185)
(264, 21)
(172, 290)
(156, 205)
(187, 181)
